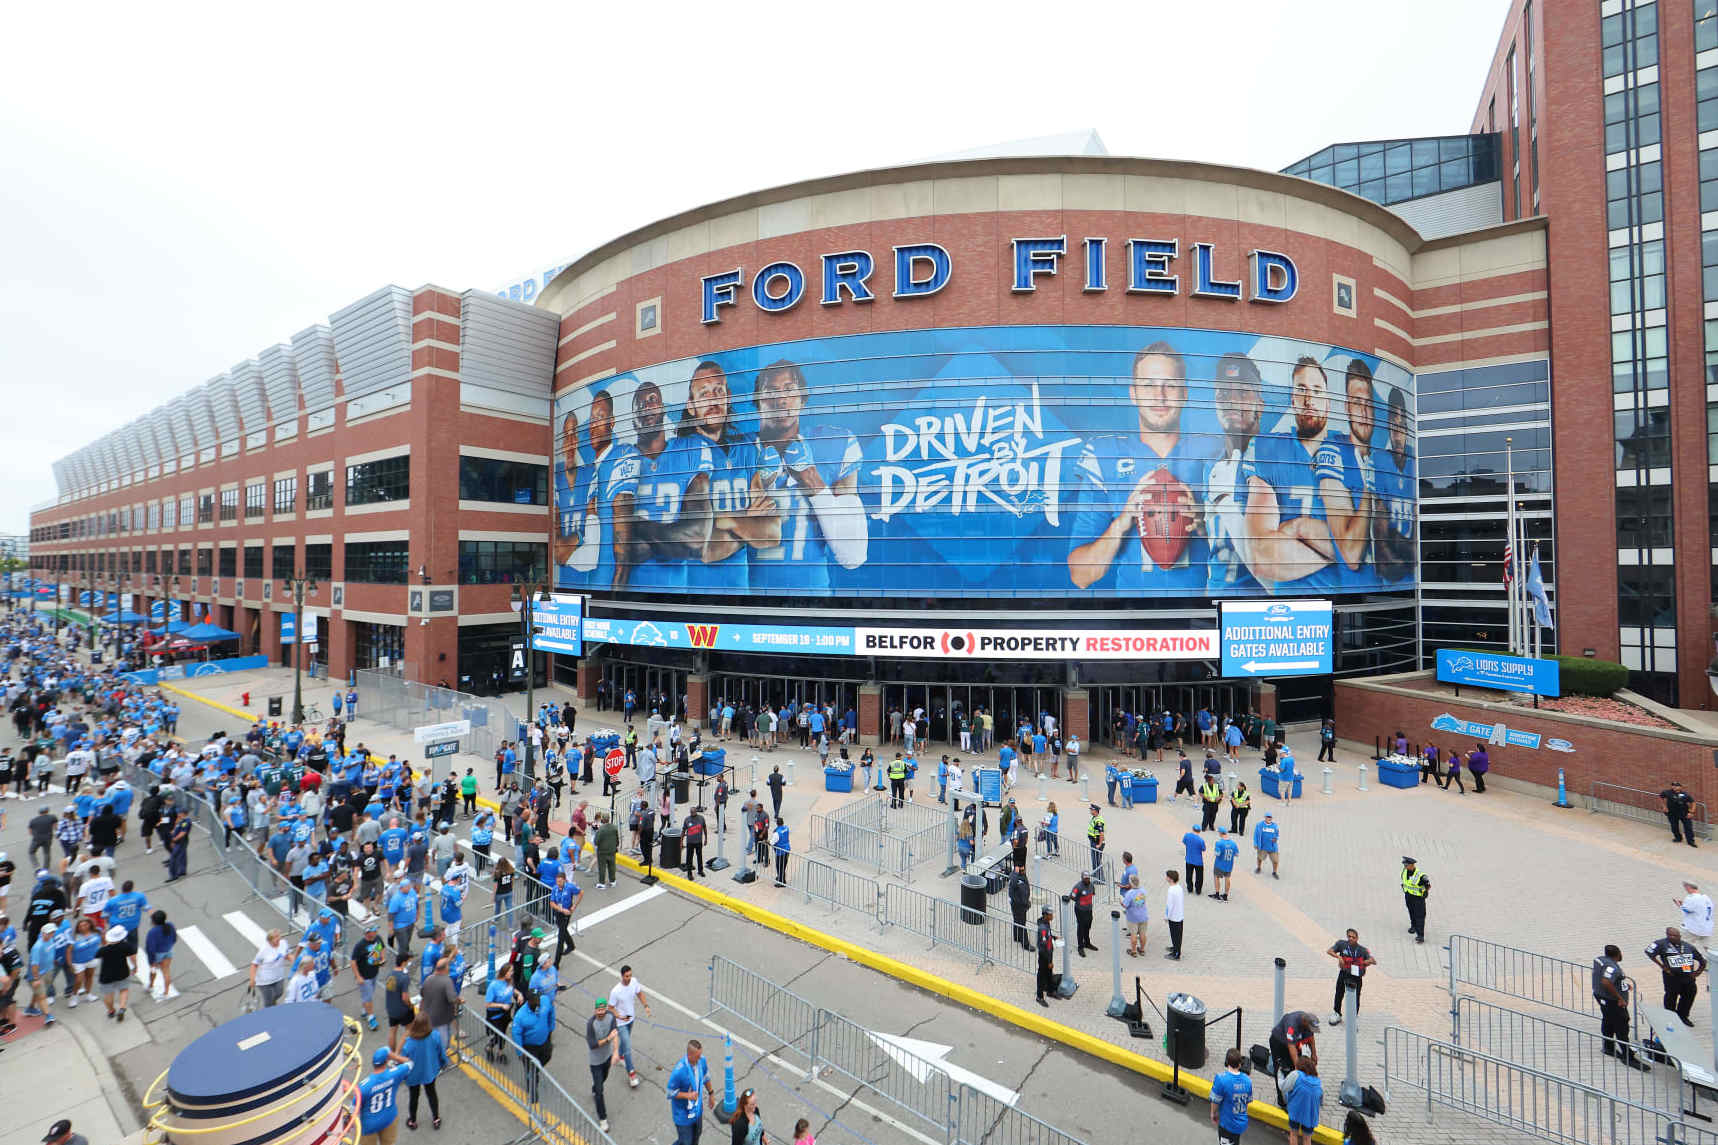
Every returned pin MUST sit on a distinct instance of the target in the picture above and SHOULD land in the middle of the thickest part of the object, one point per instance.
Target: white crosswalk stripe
(207, 952)
(248, 930)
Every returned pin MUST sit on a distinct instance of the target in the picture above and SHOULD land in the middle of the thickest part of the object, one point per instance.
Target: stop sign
(613, 762)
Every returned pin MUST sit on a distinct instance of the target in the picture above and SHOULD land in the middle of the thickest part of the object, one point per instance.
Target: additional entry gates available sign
(1276, 637)
(1495, 670)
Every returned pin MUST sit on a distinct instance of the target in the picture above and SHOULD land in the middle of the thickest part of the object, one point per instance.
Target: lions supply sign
(1505, 673)
(558, 625)
(1276, 637)
(1004, 462)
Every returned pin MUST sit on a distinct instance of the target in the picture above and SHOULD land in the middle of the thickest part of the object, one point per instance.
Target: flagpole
(1509, 546)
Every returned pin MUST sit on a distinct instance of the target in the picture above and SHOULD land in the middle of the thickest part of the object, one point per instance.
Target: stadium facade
(1010, 433)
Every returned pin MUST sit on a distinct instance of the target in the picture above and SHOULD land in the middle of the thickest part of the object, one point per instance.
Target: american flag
(1508, 562)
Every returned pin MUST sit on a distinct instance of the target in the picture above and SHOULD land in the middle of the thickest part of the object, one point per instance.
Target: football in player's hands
(1167, 517)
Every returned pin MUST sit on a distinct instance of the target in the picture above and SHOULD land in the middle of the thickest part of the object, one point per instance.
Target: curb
(1079, 1040)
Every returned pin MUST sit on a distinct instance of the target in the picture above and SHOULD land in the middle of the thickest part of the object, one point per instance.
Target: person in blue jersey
(1239, 392)
(1360, 403)
(1150, 472)
(574, 468)
(744, 516)
(594, 523)
(817, 490)
(378, 1097)
(1393, 522)
(1305, 499)
(661, 502)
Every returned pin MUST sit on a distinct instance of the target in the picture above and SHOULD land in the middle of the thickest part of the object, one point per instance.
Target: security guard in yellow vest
(1211, 801)
(897, 781)
(1095, 838)
(1240, 804)
(1415, 887)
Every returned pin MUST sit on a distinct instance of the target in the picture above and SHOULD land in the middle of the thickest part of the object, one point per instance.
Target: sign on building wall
(1039, 461)
(1495, 670)
(1276, 637)
(559, 625)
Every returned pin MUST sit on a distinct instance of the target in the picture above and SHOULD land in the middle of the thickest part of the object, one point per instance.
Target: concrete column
(1076, 713)
(697, 701)
(1266, 698)
(271, 646)
(870, 714)
(588, 678)
(432, 650)
(341, 641)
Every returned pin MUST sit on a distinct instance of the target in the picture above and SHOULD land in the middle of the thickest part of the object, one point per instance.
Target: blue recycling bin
(713, 761)
(1144, 788)
(1394, 773)
(838, 779)
(1271, 782)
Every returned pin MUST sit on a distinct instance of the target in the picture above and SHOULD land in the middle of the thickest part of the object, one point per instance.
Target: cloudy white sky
(185, 186)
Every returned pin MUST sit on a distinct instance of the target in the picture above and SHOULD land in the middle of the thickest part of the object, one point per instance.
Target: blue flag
(1536, 590)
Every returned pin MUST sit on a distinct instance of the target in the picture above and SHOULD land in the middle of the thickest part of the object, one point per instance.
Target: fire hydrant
(245, 699)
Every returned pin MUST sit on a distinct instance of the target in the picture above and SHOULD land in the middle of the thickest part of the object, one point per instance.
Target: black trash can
(996, 877)
(682, 786)
(274, 705)
(1185, 1039)
(670, 857)
(972, 899)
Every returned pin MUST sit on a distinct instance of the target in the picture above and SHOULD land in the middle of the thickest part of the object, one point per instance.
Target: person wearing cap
(527, 953)
(378, 1097)
(44, 958)
(602, 1038)
(1294, 1042)
(397, 989)
(1082, 895)
(402, 915)
(1193, 844)
(1046, 957)
(1696, 915)
(533, 1032)
(1679, 809)
(1223, 865)
(368, 958)
(178, 845)
(1415, 887)
(1613, 991)
(42, 826)
(564, 899)
(60, 1133)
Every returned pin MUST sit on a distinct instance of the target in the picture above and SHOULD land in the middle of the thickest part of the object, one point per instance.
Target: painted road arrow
(920, 1058)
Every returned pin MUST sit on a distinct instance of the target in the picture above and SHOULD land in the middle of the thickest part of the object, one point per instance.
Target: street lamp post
(523, 595)
(298, 585)
(91, 607)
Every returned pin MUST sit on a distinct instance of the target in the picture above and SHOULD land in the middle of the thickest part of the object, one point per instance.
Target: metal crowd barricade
(1524, 974)
(1641, 805)
(551, 1113)
(947, 923)
(862, 845)
(405, 704)
(1561, 1050)
(951, 1113)
(835, 887)
(1075, 858)
(1523, 1099)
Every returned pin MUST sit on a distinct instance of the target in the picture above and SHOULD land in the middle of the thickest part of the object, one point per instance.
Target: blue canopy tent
(172, 628)
(124, 616)
(208, 633)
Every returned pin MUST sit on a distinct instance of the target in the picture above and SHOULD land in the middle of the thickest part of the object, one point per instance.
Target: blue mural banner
(1497, 735)
(1276, 637)
(1495, 670)
(149, 677)
(730, 637)
(1041, 461)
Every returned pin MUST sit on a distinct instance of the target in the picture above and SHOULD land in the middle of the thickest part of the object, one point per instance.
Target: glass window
(1425, 180)
(286, 494)
(501, 562)
(184, 568)
(1399, 187)
(319, 562)
(187, 507)
(256, 500)
(1372, 165)
(319, 490)
(229, 562)
(377, 562)
(373, 482)
(513, 482)
(229, 504)
(205, 562)
(283, 558)
(253, 562)
(1398, 157)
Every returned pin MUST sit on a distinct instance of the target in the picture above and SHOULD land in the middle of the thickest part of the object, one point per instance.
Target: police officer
(1019, 901)
(1611, 990)
(1240, 804)
(1415, 887)
(1082, 895)
(1682, 963)
(1046, 957)
(897, 781)
(1678, 808)
(1095, 837)
(1352, 960)
(1211, 801)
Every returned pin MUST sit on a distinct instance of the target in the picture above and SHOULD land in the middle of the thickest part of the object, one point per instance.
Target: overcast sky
(183, 188)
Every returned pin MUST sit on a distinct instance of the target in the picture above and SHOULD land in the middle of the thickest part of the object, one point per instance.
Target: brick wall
(1634, 757)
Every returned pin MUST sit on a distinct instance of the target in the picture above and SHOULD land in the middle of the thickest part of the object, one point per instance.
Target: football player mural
(1054, 461)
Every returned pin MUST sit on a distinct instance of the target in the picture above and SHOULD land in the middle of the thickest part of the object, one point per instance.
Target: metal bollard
(791, 764)
(1230, 779)
(1360, 777)
(744, 874)
(1327, 774)
(953, 835)
(1350, 1094)
(1043, 791)
(1118, 1004)
(720, 862)
(1066, 988)
(754, 782)
(1279, 988)
(1085, 791)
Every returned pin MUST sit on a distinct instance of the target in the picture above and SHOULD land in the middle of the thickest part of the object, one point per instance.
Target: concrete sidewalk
(43, 1066)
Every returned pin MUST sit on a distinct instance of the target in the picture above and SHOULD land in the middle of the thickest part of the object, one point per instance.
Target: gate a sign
(516, 661)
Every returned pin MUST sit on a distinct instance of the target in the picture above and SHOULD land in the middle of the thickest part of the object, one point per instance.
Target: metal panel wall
(248, 393)
(1452, 212)
(507, 345)
(202, 417)
(223, 406)
(162, 419)
(279, 382)
(184, 426)
(373, 340)
(313, 355)
(130, 439)
(152, 452)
